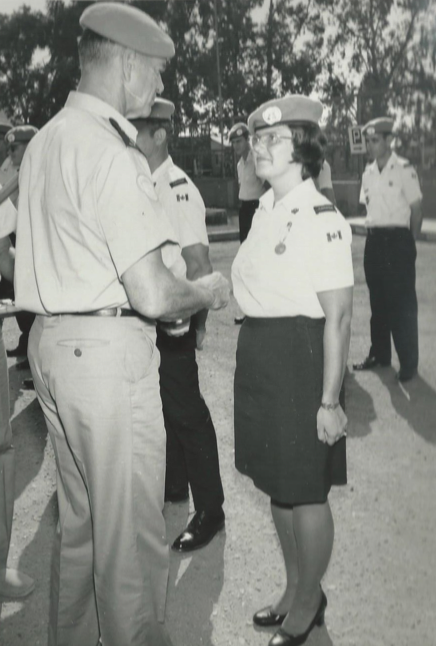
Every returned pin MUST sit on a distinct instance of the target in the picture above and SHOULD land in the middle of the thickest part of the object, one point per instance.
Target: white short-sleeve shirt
(296, 247)
(87, 211)
(388, 194)
(182, 202)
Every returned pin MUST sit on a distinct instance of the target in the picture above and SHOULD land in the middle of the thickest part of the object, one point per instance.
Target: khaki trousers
(97, 382)
(7, 474)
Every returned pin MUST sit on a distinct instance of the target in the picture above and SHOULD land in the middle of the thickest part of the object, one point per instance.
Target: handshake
(219, 286)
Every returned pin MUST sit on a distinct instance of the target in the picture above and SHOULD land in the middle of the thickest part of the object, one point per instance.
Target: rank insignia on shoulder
(181, 197)
(324, 208)
(337, 235)
(178, 182)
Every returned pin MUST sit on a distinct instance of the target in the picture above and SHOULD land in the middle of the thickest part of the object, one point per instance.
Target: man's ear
(128, 62)
(160, 136)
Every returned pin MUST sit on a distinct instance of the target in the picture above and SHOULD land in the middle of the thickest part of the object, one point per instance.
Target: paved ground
(381, 584)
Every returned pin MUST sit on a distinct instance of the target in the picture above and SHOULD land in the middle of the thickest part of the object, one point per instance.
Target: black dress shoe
(199, 532)
(405, 375)
(176, 496)
(28, 384)
(239, 320)
(282, 638)
(369, 363)
(266, 617)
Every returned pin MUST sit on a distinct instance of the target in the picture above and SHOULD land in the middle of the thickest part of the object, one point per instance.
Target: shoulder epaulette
(129, 143)
(324, 208)
(405, 163)
(178, 182)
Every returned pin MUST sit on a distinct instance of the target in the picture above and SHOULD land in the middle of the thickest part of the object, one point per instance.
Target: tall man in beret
(89, 264)
(192, 453)
(392, 196)
(250, 186)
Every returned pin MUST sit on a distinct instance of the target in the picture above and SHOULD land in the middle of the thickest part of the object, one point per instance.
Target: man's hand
(175, 328)
(219, 286)
(331, 425)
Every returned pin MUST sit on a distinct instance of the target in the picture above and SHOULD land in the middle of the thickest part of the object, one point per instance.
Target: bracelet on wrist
(329, 405)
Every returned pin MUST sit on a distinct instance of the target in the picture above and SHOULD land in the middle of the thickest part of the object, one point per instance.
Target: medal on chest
(280, 247)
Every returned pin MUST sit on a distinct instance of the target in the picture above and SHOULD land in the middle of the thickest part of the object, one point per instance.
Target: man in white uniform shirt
(392, 196)
(250, 186)
(192, 453)
(89, 264)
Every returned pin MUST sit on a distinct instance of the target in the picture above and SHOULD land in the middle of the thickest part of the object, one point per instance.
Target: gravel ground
(381, 581)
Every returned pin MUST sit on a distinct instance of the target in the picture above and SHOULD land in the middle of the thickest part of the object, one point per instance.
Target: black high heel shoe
(266, 617)
(282, 638)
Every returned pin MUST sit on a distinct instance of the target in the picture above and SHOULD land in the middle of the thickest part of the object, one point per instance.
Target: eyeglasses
(269, 139)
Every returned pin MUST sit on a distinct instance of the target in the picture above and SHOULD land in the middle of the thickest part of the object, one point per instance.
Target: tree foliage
(375, 61)
(383, 51)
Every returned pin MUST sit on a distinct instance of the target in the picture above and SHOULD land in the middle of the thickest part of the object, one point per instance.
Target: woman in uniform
(293, 279)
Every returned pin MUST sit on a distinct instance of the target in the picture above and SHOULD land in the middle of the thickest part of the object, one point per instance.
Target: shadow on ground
(415, 402)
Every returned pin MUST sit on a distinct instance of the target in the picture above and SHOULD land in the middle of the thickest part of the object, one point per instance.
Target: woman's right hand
(331, 424)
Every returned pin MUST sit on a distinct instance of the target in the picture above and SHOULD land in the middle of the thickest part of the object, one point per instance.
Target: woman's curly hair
(309, 148)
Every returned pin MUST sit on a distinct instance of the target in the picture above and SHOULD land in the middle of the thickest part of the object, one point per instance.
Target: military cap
(20, 134)
(129, 27)
(293, 109)
(382, 125)
(238, 130)
(162, 109)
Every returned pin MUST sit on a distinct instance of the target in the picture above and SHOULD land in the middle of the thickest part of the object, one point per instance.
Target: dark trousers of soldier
(192, 452)
(246, 212)
(389, 264)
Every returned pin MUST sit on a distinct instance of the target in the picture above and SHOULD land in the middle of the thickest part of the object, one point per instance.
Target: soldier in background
(392, 196)
(192, 453)
(250, 186)
(17, 139)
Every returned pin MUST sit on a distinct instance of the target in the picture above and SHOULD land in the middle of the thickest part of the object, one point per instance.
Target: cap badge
(10, 137)
(272, 115)
(371, 130)
(239, 132)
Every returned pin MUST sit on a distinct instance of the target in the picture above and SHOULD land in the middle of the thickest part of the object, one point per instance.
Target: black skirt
(278, 391)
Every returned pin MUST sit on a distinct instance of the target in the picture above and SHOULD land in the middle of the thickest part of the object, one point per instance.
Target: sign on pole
(357, 140)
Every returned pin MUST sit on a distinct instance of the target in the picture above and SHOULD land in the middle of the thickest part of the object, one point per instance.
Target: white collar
(90, 103)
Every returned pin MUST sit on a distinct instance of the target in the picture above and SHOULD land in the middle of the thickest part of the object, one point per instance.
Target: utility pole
(220, 96)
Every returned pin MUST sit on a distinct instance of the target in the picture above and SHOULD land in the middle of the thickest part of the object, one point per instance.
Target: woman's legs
(284, 522)
(313, 532)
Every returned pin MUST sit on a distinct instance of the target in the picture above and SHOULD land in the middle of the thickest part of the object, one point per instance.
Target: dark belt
(109, 311)
(385, 230)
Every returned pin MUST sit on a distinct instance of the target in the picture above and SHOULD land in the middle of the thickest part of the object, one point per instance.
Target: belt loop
(118, 311)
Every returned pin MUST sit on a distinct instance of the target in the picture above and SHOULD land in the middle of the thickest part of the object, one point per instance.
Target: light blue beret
(382, 125)
(293, 109)
(20, 134)
(129, 27)
(238, 130)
